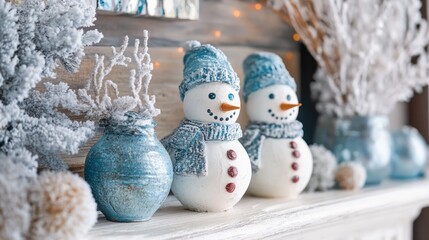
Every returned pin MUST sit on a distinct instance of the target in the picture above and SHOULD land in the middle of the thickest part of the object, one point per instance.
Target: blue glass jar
(129, 171)
(409, 154)
(361, 139)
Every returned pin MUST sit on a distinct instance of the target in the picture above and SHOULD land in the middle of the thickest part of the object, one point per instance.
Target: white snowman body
(228, 165)
(285, 164)
(209, 193)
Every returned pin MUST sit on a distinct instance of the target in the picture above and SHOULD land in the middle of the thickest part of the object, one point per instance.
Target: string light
(289, 56)
(217, 33)
(236, 13)
(257, 6)
(157, 64)
(296, 37)
(180, 50)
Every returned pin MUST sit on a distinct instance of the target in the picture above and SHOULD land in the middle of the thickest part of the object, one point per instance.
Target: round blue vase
(409, 153)
(129, 171)
(361, 139)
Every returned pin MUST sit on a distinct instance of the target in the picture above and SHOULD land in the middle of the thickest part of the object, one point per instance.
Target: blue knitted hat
(263, 70)
(206, 64)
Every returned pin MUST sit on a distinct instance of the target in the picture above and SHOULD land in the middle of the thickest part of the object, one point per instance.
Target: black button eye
(271, 96)
(288, 97)
(212, 95)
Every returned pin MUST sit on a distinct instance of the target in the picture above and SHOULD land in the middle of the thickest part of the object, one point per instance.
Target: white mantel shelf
(379, 212)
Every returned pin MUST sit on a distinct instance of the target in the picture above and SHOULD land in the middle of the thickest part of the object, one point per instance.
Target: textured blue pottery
(129, 171)
(361, 139)
(409, 154)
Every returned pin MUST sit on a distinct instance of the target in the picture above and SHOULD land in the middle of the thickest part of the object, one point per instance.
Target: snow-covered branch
(35, 36)
(371, 54)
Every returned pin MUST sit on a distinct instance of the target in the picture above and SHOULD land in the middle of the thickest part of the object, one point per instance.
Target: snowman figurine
(281, 160)
(212, 170)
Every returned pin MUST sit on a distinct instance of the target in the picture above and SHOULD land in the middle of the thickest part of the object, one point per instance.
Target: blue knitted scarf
(187, 143)
(256, 132)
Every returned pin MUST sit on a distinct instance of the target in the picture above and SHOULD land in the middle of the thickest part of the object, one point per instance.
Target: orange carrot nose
(287, 106)
(228, 107)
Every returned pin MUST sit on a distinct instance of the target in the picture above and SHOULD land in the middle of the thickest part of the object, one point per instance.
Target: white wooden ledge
(379, 212)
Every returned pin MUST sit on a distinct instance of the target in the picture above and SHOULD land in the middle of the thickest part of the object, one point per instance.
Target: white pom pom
(324, 167)
(189, 45)
(16, 170)
(62, 207)
(351, 176)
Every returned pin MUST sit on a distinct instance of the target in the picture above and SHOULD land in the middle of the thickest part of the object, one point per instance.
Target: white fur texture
(189, 45)
(17, 172)
(324, 167)
(259, 104)
(351, 176)
(62, 207)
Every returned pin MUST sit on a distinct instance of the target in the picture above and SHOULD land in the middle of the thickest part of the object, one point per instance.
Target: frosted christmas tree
(36, 37)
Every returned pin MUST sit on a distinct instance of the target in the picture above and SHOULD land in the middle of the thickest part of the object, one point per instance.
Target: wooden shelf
(386, 211)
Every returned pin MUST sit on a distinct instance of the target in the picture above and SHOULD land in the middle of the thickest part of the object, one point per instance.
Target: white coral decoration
(351, 176)
(100, 105)
(371, 53)
(142, 79)
(324, 167)
(62, 207)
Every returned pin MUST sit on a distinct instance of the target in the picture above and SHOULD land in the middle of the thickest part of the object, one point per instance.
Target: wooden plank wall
(253, 30)
(418, 112)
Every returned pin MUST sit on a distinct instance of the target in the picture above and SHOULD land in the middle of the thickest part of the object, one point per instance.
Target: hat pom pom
(189, 45)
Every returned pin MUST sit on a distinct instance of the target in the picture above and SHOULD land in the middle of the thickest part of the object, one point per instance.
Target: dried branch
(365, 51)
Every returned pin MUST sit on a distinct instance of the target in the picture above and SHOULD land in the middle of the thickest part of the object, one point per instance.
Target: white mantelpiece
(380, 212)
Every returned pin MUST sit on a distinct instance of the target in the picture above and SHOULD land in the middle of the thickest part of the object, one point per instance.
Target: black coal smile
(209, 111)
(273, 115)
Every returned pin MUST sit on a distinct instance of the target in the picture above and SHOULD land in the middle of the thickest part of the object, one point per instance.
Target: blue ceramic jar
(409, 153)
(129, 171)
(362, 139)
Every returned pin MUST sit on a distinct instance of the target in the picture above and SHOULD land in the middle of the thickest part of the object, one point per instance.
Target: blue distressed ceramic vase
(409, 154)
(362, 139)
(129, 171)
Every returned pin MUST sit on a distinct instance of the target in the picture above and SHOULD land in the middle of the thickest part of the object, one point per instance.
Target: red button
(230, 187)
(296, 154)
(294, 166)
(232, 171)
(293, 145)
(231, 154)
(295, 179)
